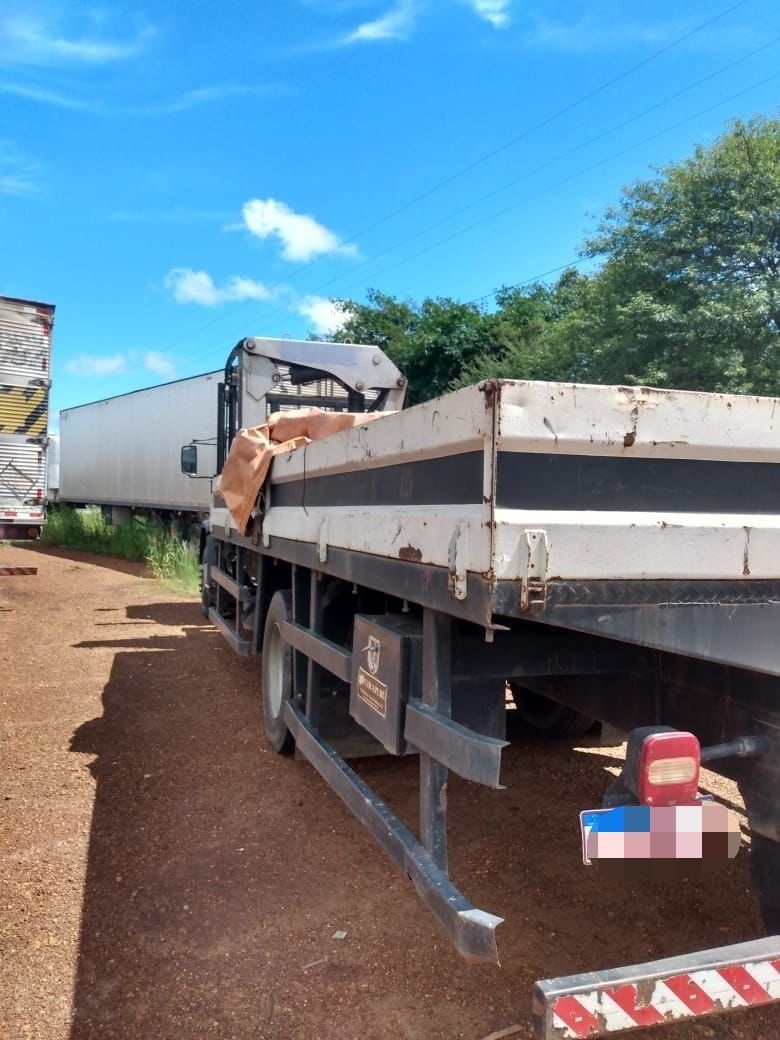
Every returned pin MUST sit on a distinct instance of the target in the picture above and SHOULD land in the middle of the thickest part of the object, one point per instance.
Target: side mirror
(189, 460)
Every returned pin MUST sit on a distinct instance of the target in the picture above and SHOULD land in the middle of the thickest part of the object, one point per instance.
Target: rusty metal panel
(25, 341)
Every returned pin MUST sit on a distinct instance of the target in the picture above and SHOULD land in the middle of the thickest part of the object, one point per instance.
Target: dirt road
(165, 876)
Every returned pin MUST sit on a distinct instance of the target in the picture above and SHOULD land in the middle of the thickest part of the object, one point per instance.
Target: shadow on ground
(218, 872)
(113, 563)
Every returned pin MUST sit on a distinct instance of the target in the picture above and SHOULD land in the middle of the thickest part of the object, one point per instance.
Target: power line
(530, 281)
(550, 162)
(548, 119)
(541, 124)
(550, 187)
(587, 169)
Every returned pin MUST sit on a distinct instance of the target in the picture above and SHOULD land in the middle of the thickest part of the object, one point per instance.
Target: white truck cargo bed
(622, 483)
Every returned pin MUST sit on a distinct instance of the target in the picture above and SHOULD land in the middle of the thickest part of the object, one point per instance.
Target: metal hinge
(533, 590)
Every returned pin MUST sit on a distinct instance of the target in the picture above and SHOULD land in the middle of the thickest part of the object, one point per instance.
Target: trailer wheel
(277, 673)
(546, 717)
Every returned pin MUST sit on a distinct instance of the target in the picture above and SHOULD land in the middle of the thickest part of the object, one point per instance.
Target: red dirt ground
(165, 876)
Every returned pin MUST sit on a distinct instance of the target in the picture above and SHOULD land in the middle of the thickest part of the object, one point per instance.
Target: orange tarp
(252, 452)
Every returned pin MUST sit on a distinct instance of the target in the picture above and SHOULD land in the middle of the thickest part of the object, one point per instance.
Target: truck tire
(546, 717)
(208, 597)
(277, 673)
(765, 868)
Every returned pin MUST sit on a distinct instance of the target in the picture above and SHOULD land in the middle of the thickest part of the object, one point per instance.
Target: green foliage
(87, 529)
(166, 555)
(174, 561)
(687, 294)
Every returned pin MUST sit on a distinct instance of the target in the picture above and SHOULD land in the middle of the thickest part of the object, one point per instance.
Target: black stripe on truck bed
(451, 480)
(527, 480)
(536, 480)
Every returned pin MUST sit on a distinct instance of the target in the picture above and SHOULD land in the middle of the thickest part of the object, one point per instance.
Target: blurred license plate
(704, 831)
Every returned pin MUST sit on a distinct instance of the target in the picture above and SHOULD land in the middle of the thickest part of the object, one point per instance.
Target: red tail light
(669, 766)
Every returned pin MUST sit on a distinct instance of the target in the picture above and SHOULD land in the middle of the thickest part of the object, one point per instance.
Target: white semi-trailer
(25, 379)
(612, 552)
(122, 453)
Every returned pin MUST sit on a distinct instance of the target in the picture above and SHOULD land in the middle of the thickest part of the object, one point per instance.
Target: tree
(431, 342)
(688, 293)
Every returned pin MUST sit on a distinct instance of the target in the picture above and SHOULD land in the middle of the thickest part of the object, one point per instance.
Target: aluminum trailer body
(25, 379)
(122, 453)
(611, 551)
(53, 469)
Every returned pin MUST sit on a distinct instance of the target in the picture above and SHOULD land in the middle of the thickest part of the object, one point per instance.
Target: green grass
(166, 555)
(175, 561)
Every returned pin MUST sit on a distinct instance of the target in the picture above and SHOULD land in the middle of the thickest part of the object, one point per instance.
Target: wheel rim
(274, 650)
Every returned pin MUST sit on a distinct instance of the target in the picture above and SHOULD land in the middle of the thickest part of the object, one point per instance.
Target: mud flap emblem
(373, 650)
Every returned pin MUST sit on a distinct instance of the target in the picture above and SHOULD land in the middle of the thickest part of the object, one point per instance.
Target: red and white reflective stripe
(654, 994)
(9, 572)
(681, 996)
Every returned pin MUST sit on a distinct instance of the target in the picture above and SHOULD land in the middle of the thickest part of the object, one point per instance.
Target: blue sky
(176, 176)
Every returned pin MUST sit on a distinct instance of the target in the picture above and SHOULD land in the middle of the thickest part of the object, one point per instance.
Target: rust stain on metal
(644, 993)
(490, 389)
(746, 554)
(630, 437)
(410, 553)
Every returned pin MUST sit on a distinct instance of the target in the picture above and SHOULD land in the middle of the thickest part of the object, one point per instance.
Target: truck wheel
(765, 867)
(207, 592)
(546, 717)
(277, 673)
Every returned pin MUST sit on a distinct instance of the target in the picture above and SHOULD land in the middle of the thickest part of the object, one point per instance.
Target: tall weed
(167, 556)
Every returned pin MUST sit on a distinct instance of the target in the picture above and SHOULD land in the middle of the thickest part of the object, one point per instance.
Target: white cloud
(96, 365)
(182, 215)
(590, 34)
(302, 237)
(46, 97)
(395, 25)
(211, 94)
(18, 173)
(159, 363)
(25, 41)
(325, 315)
(185, 101)
(188, 286)
(494, 11)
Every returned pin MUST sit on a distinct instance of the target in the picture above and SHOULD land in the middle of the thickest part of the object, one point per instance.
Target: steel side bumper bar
(472, 931)
(619, 1000)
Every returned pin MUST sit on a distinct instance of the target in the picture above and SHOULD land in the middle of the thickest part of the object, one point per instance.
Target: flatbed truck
(610, 552)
